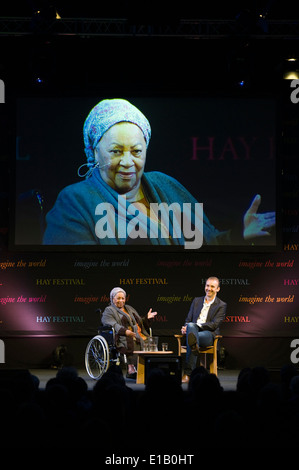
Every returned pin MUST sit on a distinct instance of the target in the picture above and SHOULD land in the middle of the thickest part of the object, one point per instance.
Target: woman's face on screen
(121, 154)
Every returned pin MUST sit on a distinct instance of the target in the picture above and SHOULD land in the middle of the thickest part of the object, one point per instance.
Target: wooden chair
(209, 350)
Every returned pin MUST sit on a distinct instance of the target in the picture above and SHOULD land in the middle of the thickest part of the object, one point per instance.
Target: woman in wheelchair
(130, 329)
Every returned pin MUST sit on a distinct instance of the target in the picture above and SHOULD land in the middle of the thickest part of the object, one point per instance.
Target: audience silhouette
(113, 417)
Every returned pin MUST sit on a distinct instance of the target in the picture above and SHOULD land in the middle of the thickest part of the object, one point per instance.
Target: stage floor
(228, 379)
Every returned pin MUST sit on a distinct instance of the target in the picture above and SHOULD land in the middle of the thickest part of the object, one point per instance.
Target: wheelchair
(101, 352)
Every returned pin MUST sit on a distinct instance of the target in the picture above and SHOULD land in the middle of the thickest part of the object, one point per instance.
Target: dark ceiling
(275, 9)
(250, 46)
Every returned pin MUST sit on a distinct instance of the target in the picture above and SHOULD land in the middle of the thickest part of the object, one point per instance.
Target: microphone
(90, 170)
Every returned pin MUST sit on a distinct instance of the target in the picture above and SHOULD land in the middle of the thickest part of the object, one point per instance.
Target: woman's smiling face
(119, 300)
(122, 154)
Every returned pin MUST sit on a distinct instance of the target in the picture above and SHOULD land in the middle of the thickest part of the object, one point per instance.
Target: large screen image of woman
(151, 173)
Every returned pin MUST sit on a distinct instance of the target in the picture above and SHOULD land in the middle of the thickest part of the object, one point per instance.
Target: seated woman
(130, 329)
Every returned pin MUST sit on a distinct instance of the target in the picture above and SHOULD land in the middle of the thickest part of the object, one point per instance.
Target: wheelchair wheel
(97, 357)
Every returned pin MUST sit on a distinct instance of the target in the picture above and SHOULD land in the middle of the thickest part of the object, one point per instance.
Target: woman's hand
(183, 330)
(257, 225)
(151, 314)
(130, 333)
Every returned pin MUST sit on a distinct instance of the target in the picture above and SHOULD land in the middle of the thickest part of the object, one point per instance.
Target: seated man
(202, 323)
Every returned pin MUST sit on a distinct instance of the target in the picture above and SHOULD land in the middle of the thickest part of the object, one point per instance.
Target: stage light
(291, 71)
(293, 75)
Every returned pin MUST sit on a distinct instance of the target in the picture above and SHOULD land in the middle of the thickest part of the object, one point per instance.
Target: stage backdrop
(51, 297)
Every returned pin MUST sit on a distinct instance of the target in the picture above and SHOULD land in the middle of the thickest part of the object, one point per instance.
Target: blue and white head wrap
(103, 116)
